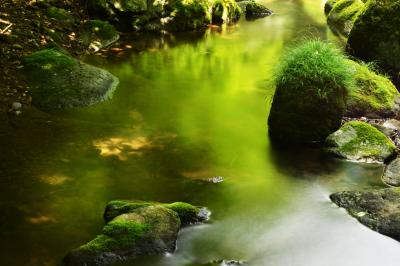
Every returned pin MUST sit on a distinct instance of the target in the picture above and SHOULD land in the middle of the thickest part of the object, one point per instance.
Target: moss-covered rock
(309, 101)
(146, 230)
(225, 11)
(60, 14)
(97, 34)
(254, 10)
(375, 35)
(136, 228)
(343, 14)
(329, 5)
(57, 81)
(373, 96)
(188, 213)
(377, 209)
(359, 141)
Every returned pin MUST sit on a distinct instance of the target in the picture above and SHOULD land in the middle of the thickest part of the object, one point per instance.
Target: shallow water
(187, 109)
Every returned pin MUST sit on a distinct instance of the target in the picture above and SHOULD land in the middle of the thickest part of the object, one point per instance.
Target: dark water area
(187, 109)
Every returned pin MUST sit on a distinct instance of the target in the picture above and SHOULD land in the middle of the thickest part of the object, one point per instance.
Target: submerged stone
(135, 228)
(359, 141)
(59, 81)
(255, 10)
(373, 96)
(343, 14)
(391, 175)
(375, 35)
(378, 209)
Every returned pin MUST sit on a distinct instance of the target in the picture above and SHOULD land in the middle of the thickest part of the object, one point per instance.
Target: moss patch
(309, 102)
(357, 140)
(373, 95)
(343, 14)
(225, 11)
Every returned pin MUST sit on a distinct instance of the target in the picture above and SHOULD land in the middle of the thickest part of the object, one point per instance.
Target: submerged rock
(97, 34)
(375, 35)
(219, 263)
(58, 81)
(343, 14)
(359, 141)
(373, 95)
(378, 209)
(391, 175)
(133, 229)
(309, 100)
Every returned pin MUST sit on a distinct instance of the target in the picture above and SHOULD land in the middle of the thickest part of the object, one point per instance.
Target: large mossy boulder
(309, 102)
(377, 209)
(97, 34)
(359, 141)
(343, 14)
(375, 35)
(135, 228)
(58, 81)
(373, 95)
(329, 5)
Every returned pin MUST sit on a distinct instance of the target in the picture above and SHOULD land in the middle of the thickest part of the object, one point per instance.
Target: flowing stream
(187, 109)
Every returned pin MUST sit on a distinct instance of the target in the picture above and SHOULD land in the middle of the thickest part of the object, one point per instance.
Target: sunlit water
(187, 110)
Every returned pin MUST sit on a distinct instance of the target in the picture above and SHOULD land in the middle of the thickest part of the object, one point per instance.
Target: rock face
(135, 228)
(375, 35)
(391, 176)
(373, 96)
(343, 14)
(58, 81)
(174, 15)
(309, 100)
(254, 10)
(359, 141)
(378, 209)
(97, 34)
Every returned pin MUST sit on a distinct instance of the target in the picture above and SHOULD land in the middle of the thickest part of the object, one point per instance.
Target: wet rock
(254, 10)
(373, 96)
(222, 262)
(391, 175)
(375, 35)
(97, 34)
(16, 106)
(215, 179)
(58, 81)
(343, 14)
(133, 229)
(359, 141)
(377, 209)
(329, 5)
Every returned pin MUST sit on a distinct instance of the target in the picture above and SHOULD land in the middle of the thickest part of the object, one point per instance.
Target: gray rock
(378, 209)
(391, 175)
(16, 106)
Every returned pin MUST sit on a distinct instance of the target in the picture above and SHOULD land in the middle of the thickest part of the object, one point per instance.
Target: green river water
(187, 109)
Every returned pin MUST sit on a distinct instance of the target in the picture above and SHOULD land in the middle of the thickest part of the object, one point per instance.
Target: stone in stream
(375, 35)
(254, 10)
(359, 141)
(378, 209)
(97, 34)
(391, 175)
(373, 95)
(59, 81)
(135, 228)
(222, 262)
(342, 15)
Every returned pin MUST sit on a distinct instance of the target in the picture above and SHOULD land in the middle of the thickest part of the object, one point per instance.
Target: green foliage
(309, 102)
(225, 11)
(117, 235)
(373, 95)
(189, 14)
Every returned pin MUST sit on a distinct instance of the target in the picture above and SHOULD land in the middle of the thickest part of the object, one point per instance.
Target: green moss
(343, 14)
(102, 29)
(373, 95)
(187, 213)
(309, 102)
(48, 60)
(117, 235)
(376, 35)
(329, 5)
(225, 11)
(189, 14)
(358, 140)
(59, 14)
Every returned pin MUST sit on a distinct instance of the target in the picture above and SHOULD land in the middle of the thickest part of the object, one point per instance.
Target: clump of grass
(311, 85)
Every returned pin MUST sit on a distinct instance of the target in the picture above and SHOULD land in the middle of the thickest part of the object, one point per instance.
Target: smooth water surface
(187, 109)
